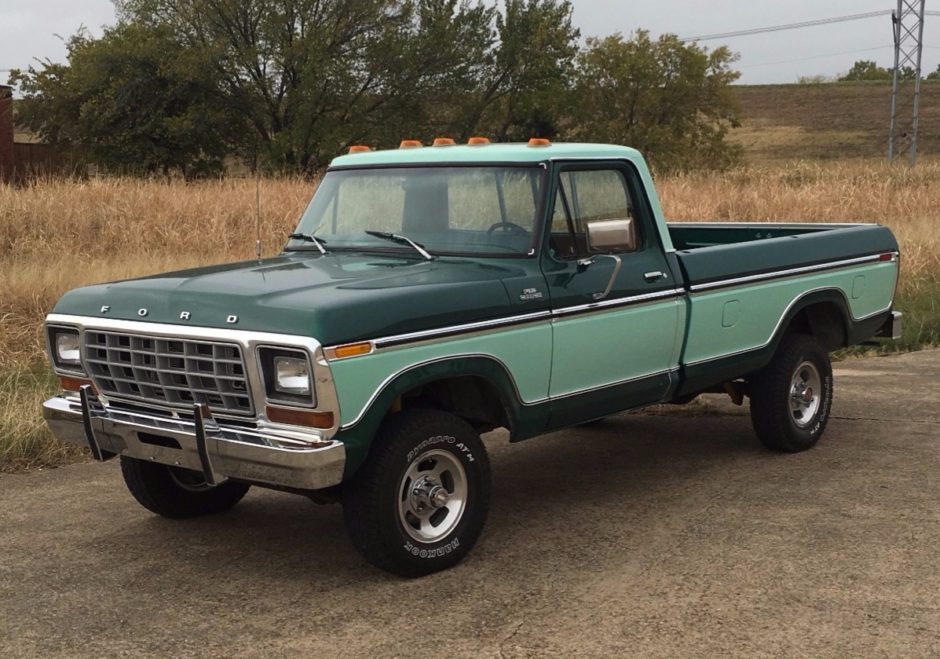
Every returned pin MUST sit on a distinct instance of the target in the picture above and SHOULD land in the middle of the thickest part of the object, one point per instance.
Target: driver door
(616, 312)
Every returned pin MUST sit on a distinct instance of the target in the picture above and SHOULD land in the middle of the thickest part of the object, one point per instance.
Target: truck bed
(709, 253)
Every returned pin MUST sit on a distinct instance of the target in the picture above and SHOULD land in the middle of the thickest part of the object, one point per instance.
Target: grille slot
(172, 371)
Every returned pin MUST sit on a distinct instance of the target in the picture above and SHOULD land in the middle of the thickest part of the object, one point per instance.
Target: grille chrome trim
(249, 341)
(178, 372)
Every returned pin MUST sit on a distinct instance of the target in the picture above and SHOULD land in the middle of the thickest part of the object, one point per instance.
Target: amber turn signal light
(359, 148)
(352, 350)
(410, 144)
(478, 141)
(73, 384)
(539, 141)
(299, 417)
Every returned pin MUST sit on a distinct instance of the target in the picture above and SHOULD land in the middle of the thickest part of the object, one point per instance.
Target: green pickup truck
(433, 294)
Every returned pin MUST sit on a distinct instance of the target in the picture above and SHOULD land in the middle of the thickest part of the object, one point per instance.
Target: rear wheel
(419, 503)
(176, 492)
(792, 396)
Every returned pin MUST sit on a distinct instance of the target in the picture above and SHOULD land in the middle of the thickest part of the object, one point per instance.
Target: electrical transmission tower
(908, 23)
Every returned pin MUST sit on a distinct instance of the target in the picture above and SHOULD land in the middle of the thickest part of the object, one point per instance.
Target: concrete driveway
(664, 534)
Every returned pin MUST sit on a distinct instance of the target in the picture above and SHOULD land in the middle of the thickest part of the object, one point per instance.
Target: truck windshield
(479, 210)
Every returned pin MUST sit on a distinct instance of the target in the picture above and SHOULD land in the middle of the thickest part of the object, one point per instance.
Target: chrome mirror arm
(613, 276)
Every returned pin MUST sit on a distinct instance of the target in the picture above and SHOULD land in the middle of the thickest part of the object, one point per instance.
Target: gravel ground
(668, 533)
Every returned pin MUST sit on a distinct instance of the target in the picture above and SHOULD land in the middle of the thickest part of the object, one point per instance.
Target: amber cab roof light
(410, 144)
(359, 148)
(539, 141)
(478, 141)
(444, 141)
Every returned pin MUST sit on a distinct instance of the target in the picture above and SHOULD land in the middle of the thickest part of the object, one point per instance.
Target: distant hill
(828, 121)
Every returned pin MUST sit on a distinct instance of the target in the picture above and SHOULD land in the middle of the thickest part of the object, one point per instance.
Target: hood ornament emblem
(184, 315)
(231, 320)
(105, 308)
(142, 312)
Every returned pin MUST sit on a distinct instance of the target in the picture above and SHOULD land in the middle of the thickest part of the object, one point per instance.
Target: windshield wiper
(404, 240)
(310, 238)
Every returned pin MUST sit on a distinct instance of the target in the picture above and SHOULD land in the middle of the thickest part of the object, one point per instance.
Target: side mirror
(611, 236)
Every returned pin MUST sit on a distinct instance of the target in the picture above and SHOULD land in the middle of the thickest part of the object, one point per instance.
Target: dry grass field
(57, 234)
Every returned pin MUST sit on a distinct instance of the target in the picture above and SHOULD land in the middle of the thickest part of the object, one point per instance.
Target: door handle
(653, 276)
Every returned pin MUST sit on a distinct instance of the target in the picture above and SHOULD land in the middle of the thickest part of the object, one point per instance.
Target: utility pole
(908, 27)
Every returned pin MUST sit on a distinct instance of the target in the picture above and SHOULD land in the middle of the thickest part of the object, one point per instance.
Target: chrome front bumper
(218, 450)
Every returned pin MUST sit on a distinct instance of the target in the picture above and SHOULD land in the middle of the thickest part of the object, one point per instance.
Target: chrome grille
(172, 371)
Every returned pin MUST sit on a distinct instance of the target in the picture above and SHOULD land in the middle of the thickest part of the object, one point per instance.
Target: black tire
(780, 421)
(379, 501)
(176, 492)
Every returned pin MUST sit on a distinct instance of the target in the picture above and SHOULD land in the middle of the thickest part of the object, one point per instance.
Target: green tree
(529, 67)
(126, 105)
(866, 70)
(670, 99)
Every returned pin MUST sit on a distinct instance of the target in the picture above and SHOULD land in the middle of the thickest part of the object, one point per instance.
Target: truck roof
(488, 153)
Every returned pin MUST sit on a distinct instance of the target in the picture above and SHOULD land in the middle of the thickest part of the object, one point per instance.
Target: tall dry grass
(56, 235)
(59, 234)
(903, 198)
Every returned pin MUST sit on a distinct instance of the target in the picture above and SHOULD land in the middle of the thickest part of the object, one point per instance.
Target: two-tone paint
(694, 306)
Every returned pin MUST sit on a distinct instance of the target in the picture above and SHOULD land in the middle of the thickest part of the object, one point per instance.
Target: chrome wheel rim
(432, 496)
(805, 394)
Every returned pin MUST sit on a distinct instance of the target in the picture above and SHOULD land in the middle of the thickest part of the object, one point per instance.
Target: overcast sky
(28, 30)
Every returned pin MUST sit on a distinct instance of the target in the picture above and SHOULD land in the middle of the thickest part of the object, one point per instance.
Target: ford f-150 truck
(433, 294)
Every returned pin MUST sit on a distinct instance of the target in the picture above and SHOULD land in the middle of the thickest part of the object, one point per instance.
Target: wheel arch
(824, 310)
(478, 388)
(824, 314)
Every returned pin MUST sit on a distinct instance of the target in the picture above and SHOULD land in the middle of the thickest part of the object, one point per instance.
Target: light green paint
(526, 351)
(490, 154)
(762, 305)
(603, 348)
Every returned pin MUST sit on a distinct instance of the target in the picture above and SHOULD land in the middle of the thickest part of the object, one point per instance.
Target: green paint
(762, 305)
(492, 153)
(525, 350)
(605, 347)
(548, 373)
(337, 298)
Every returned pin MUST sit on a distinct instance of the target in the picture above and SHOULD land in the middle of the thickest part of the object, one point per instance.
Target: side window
(600, 195)
(586, 196)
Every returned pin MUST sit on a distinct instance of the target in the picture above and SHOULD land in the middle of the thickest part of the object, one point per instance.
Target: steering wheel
(508, 227)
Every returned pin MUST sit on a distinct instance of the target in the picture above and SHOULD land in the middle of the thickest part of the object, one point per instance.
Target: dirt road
(656, 535)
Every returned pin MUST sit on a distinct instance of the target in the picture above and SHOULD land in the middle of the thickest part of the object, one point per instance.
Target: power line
(812, 57)
(788, 26)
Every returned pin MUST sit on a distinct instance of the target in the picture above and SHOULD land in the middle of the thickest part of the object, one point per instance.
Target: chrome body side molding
(777, 274)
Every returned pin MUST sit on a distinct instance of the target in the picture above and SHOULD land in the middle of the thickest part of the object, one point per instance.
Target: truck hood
(336, 298)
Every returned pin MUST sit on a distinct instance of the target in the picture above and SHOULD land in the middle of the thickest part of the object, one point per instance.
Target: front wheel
(791, 397)
(176, 492)
(419, 503)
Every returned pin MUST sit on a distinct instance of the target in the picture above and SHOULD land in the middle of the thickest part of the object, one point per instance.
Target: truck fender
(358, 435)
(796, 316)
